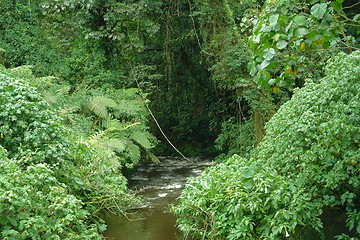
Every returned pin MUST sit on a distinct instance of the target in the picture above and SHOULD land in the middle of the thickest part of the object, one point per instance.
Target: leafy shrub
(244, 199)
(236, 138)
(55, 169)
(34, 204)
(28, 126)
(307, 160)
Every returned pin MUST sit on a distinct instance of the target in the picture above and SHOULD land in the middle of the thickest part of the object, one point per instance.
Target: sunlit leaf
(264, 64)
(301, 32)
(273, 19)
(269, 53)
(302, 46)
(300, 20)
(281, 44)
(248, 172)
(318, 10)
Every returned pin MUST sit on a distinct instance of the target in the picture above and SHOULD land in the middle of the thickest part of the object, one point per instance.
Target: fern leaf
(134, 152)
(100, 104)
(142, 139)
(98, 137)
(127, 108)
(98, 107)
(49, 97)
(112, 123)
(118, 145)
(152, 157)
(63, 91)
(131, 92)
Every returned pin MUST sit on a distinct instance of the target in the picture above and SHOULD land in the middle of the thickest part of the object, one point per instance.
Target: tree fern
(115, 116)
(99, 105)
(118, 145)
(126, 107)
(134, 152)
(151, 156)
(141, 138)
(49, 97)
(112, 123)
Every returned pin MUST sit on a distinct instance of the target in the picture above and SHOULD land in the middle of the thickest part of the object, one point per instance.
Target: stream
(161, 184)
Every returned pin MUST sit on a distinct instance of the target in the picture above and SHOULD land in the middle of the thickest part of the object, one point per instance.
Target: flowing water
(160, 184)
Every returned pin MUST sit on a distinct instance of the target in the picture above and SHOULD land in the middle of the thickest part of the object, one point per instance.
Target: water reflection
(160, 184)
(153, 225)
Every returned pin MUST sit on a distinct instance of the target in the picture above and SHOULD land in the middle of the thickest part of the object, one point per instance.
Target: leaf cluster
(307, 160)
(53, 183)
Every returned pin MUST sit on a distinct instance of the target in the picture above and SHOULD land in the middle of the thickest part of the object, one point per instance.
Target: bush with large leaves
(307, 160)
(53, 185)
(35, 205)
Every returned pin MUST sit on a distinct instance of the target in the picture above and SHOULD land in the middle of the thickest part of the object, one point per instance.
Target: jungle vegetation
(269, 86)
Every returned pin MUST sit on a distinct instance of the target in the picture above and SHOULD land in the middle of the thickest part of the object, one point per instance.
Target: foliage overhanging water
(160, 184)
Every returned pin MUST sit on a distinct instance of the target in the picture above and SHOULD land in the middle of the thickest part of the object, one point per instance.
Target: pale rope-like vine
(152, 115)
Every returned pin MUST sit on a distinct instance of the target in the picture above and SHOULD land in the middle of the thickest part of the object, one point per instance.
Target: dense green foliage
(77, 79)
(288, 37)
(51, 172)
(35, 205)
(307, 160)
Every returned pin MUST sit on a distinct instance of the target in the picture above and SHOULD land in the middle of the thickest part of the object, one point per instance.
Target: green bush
(308, 159)
(35, 205)
(54, 185)
(28, 126)
(244, 199)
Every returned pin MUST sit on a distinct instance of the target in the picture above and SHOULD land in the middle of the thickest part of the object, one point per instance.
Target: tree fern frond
(130, 92)
(152, 157)
(111, 123)
(131, 125)
(134, 152)
(67, 113)
(49, 97)
(98, 137)
(100, 104)
(126, 107)
(61, 92)
(141, 138)
(97, 107)
(118, 145)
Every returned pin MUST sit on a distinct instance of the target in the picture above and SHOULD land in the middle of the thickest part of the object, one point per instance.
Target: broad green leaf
(252, 68)
(248, 172)
(311, 35)
(300, 32)
(336, 5)
(256, 39)
(300, 20)
(281, 44)
(282, 83)
(264, 64)
(318, 10)
(276, 37)
(269, 53)
(141, 138)
(273, 19)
